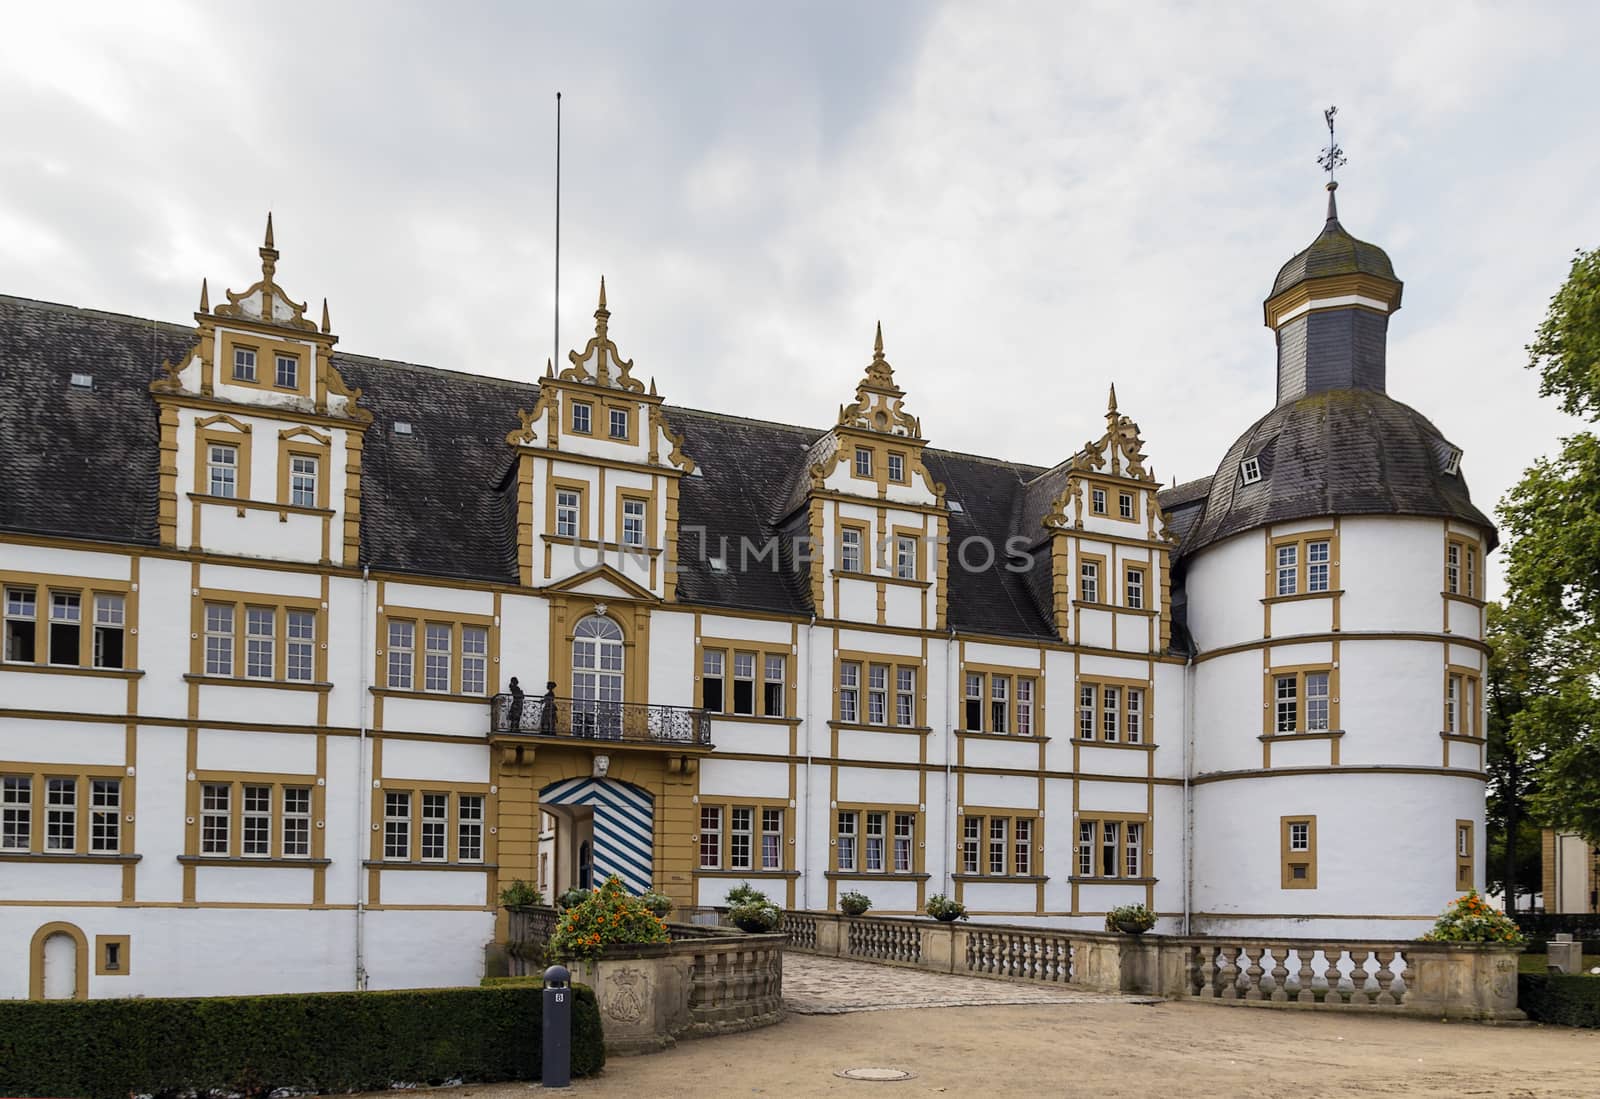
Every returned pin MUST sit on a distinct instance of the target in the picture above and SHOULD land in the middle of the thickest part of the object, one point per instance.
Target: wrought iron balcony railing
(587, 719)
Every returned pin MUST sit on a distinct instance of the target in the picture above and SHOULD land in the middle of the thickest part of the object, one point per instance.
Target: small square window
(897, 468)
(288, 372)
(619, 423)
(244, 364)
(1250, 470)
(863, 462)
(582, 418)
(1098, 501)
(1125, 505)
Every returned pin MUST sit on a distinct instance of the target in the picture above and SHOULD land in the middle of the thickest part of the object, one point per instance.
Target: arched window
(597, 677)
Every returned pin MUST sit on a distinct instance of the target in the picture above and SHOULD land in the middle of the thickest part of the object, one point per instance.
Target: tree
(1513, 836)
(1552, 518)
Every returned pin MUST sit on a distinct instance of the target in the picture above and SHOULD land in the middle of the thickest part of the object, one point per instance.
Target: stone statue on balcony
(547, 712)
(514, 721)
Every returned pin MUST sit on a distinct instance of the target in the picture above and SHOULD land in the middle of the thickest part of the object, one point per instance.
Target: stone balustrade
(1436, 980)
(707, 980)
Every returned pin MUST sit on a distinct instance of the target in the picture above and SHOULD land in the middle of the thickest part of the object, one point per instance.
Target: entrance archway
(623, 838)
(59, 957)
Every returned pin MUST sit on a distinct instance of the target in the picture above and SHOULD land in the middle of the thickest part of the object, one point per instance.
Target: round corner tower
(1335, 599)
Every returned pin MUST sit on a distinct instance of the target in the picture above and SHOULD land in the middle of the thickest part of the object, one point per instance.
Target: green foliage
(328, 1041)
(941, 907)
(572, 897)
(1513, 865)
(742, 893)
(1566, 350)
(520, 894)
(1471, 919)
(1132, 919)
(1541, 927)
(853, 903)
(607, 916)
(1560, 999)
(751, 910)
(659, 903)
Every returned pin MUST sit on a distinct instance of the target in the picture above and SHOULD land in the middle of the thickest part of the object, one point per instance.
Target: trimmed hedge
(327, 1041)
(1541, 927)
(1565, 1000)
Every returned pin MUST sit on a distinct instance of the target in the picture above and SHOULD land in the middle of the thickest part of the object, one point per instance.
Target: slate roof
(442, 501)
(1342, 452)
(1334, 252)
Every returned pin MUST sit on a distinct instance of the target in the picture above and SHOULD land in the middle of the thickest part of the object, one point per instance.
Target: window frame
(1299, 673)
(278, 607)
(887, 818)
(34, 810)
(40, 591)
(279, 357)
(587, 409)
(861, 544)
(557, 509)
(1089, 720)
(895, 466)
(1463, 572)
(1302, 567)
(1292, 856)
(861, 464)
(1091, 570)
(1011, 698)
(1466, 861)
(888, 696)
(1110, 833)
(1463, 702)
(223, 430)
(724, 651)
(450, 825)
(457, 627)
(303, 443)
(277, 812)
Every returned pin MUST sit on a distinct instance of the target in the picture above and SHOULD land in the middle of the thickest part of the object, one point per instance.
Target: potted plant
(571, 898)
(659, 903)
(520, 894)
(853, 903)
(751, 911)
(945, 910)
(604, 917)
(1471, 919)
(1130, 919)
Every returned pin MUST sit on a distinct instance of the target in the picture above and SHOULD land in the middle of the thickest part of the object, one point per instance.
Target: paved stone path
(833, 986)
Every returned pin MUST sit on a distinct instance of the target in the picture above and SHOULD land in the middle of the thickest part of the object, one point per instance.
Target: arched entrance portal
(603, 826)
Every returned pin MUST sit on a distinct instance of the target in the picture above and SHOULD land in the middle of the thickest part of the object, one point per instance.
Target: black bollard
(556, 1071)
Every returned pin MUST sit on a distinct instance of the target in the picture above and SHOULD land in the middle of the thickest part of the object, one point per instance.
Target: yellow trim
(761, 650)
(267, 351)
(280, 606)
(1302, 542)
(303, 442)
(1465, 864)
(420, 619)
(987, 674)
(1299, 671)
(277, 783)
(236, 435)
(82, 776)
(1291, 859)
(102, 945)
(86, 588)
(36, 959)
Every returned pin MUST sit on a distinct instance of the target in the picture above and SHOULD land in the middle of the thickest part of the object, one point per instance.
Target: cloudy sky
(1036, 199)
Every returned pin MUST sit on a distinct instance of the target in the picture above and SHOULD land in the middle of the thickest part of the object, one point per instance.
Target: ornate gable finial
(326, 327)
(879, 373)
(599, 363)
(879, 403)
(1111, 403)
(265, 301)
(205, 297)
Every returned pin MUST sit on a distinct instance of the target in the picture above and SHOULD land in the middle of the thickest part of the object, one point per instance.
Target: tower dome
(1335, 252)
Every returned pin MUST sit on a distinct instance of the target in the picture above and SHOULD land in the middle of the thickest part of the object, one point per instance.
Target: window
(1110, 714)
(1086, 696)
(905, 696)
(16, 812)
(1097, 501)
(105, 815)
(259, 642)
(1133, 589)
(873, 848)
(619, 423)
(296, 822)
(1250, 470)
(219, 639)
(1089, 581)
(744, 683)
(1298, 846)
(772, 839)
(469, 828)
(66, 627)
(435, 826)
(905, 825)
(877, 694)
(1022, 859)
(1302, 701)
(974, 701)
(288, 372)
(849, 550)
(905, 557)
(1317, 559)
(897, 468)
(436, 658)
(741, 833)
(569, 504)
(772, 685)
(710, 838)
(1465, 876)
(396, 824)
(474, 660)
(849, 692)
(244, 364)
(1288, 569)
(215, 818)
(845, 843)
(1134, 698)
(303, 480)
(222, 465)
(1113, 713)
(711, 682)
(582, 418)
(633, 512)
(1111, 848)
(999, 703)
(21, 623)
(109, 622)
(1461, 568)
(255, 822)
(402, 654)
(998, 846)
(1125, 505)
(597, 666)
(971, 836)
(1452, 462)
(1461, 716)
(60, 814)
(863, 466)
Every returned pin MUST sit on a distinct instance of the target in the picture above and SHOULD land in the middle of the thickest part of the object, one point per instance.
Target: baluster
(1280, 975)
(1385, 978)
(1210, 972)
(1400, 967)
(1306, 994)
(1331, 955)
(1360, 979)
(1252, 972)
(1228, 978)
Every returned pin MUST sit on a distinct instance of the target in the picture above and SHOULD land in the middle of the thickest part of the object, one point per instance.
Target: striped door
(624, 823)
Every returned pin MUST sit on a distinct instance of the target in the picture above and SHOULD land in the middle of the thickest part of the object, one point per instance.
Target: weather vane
(1333, 156)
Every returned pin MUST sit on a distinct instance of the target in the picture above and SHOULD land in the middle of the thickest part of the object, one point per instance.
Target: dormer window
(222, 465)
(1452, 462)
(244, 364)
(288, 372)
(1250, 470)
(582, 418)
(897, 468)
(863, 461)
(82, 381)
(402, 427)
(619, 423)
(1097, 501)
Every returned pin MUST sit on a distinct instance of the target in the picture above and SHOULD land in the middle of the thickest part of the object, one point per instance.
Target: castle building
(307, 655)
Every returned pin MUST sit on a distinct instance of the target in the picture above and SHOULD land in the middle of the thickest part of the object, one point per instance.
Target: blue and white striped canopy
(624, 824)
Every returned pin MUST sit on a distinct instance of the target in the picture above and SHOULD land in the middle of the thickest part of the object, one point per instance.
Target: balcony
(624, 723)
